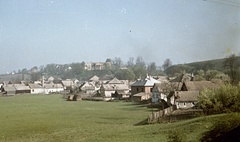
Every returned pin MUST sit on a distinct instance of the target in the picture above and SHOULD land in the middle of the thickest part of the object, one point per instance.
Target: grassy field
(50, 118)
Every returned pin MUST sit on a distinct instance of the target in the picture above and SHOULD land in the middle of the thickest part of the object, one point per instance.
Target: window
(137, 89)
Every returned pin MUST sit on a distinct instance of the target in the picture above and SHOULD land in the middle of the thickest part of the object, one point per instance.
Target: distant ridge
(215, 64)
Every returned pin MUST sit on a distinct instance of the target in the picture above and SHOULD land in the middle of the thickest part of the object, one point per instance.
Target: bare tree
(167, 63)
(130, 62)
(117, 62)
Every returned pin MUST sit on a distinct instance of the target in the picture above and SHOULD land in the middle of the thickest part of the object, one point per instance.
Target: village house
(186, 96)
(53, 88)
(109, 89)
(159, 92)
(67, 84)
(186, 99)
(143, 86)
(97, 65)
(36, 89)
(22, 89)
(142, 96)
(9, 90)
(89, 88)
(94, 79)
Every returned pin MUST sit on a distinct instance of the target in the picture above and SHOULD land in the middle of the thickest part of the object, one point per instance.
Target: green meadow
(41, 118)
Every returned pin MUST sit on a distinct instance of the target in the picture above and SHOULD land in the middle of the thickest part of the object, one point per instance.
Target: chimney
(192, 77)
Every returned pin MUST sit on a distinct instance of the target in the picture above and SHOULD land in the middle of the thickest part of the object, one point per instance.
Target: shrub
(176, 136)
(219, 130)
(224, 99)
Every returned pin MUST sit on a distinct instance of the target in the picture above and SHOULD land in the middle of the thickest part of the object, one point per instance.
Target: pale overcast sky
(39, 32)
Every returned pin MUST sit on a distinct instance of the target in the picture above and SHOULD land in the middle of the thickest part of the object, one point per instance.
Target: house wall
(37, 91)
(171, 101)
(108, 94)
(53, 90)
(23, 91)
(185, 105)
(138, 89)
(11, 93)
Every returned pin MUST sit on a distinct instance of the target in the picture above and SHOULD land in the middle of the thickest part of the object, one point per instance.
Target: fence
(156, 116)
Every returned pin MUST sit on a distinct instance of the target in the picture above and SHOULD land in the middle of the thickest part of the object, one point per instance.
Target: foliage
(176, 136)
(200, 75)
(219, 64)
(221, 127)
(126, 74)
(224, 99)
(167, 63)
(232, 67)
(152, 68)
(178, 69)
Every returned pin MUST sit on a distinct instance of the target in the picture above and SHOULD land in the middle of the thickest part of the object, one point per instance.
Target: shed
(9, 90)
(141, 96)
(22, 89)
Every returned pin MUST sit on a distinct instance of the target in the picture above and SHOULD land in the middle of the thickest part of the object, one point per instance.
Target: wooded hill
(217, 64)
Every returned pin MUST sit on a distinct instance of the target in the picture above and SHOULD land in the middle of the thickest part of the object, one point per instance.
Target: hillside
(50, 118)
(217, 64)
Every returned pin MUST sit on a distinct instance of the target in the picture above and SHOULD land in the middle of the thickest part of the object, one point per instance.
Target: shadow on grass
(144, 122)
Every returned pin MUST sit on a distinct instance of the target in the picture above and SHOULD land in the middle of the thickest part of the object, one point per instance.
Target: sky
(40, 32)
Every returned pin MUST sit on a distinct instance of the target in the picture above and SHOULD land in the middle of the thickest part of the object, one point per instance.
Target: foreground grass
(50, 118)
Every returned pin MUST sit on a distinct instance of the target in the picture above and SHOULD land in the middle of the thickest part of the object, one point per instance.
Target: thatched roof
(34, 86)
(115, 81)
(200, 85)
(94, 78)
(186, 96)
(115, 87)
(183, 77)
(67, 83)
(21, 87)
(50, 86)
(9, 88)
(140, 94)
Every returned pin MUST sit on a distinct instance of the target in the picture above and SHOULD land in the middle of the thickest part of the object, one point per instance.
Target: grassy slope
(50, 118)
(217, 64)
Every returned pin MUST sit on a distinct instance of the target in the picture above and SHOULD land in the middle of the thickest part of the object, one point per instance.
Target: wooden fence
(156, 116)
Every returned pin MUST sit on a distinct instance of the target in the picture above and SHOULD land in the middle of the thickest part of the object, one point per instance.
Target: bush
(176, 136)
(222, 129)
(224, 99)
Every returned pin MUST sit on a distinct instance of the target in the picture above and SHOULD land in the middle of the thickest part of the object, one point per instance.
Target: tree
(231, 64)
(140, 62)
(139, 71)
(224, 99)
(167, 63)
(130, 62)
(24, 70)
(126, 74)
(152, 69)
(117, 62)
(211, 74)
(200, 75)
(108, 60)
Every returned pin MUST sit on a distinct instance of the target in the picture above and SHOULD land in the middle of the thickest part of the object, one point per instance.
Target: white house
(53, 88)
(36, 89)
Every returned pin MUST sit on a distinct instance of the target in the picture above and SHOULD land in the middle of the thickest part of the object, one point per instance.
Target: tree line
(131, 70)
